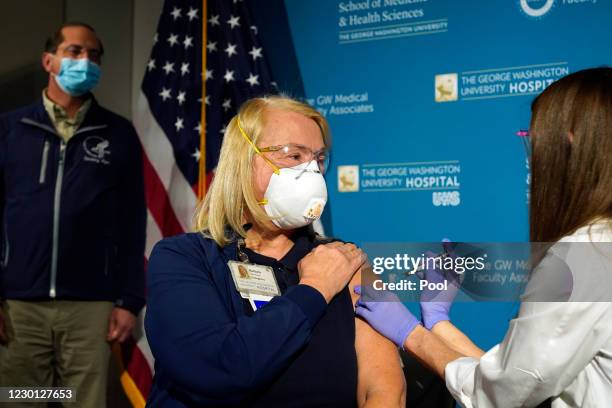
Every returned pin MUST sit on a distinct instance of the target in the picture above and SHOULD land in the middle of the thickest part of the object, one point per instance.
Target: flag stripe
(159, 202)
(139, 371)
(153, 234)
(158, 150)
(147, 356)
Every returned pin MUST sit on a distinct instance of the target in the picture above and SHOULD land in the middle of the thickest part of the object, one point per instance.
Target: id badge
(253, 279)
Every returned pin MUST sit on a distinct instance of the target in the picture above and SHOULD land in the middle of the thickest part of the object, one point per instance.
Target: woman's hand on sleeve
(330, 267)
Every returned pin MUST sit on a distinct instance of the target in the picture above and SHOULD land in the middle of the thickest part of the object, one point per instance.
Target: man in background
(73, 227)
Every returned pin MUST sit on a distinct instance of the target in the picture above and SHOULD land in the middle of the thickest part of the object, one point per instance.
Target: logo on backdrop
(491, 83)
(348, 179)
(96, 149)
(536, 8)
(447, 89)
(440, 178)
(539, 8)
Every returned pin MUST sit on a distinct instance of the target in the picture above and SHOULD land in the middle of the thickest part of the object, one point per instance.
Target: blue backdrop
(424, 98)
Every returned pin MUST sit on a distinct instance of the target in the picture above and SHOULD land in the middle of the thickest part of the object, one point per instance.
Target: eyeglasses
(289, 155)
(526, 139)
(293, 154)
(75, 51)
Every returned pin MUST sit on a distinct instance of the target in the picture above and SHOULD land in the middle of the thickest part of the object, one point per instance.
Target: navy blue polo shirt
(324, 373)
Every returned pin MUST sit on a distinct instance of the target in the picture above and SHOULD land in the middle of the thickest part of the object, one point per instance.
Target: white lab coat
(561, 350)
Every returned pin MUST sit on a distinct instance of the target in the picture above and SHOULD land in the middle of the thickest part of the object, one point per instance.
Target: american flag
(198, 42)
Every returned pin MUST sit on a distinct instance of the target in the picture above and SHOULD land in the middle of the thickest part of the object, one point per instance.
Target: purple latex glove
(436, 304)
(385, 312)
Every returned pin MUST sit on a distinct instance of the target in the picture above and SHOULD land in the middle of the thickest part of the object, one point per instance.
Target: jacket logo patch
(96, 150)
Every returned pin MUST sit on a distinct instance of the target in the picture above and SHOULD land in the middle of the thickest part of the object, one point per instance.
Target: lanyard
(240, 244)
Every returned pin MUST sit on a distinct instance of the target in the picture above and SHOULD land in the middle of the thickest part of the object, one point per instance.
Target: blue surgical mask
(76, 77)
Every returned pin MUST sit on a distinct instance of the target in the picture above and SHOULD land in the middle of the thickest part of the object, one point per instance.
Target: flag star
(233, 22)
(151, 64)
(256, 53)
(192, 13)
(155, 38)
(231, 49)
(274, 84)
(165, 94)
(168, 67)
(184, 68)
(229, 76)
(253, 79)
(173, 39)
(178, 124)
(188, 42)
(227, 104)
(254, 28)
(181, 98)
(196, 155)
(176, 13)
(211, 46)
(208, 74)
(214, 20)
(198, 128)
(206, 100)
(222, 131)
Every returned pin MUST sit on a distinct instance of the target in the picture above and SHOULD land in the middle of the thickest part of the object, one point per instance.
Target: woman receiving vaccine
(254, 309)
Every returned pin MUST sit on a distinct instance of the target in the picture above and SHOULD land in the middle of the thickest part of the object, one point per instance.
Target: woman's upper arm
(185, 316)
(380, 380)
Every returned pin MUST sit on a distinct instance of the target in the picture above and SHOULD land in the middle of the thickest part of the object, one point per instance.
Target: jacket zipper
(56, 217)
(106, 261)
(43, 163)
(5, 249)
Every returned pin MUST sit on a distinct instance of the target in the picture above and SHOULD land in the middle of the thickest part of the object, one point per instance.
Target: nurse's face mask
(296, 193)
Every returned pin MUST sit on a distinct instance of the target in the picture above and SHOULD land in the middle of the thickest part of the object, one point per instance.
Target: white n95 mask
(296, 196)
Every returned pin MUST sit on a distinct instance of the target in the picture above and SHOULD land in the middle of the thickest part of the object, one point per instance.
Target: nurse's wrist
(434, 312)
(405, 333)
(431, 322)
(415, 339)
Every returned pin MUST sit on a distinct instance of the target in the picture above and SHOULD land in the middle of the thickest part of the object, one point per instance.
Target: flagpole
(202, 163)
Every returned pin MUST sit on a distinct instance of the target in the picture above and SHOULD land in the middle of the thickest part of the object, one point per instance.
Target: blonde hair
(232, 187)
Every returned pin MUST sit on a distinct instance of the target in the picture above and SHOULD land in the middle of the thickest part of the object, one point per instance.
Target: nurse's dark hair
(571, 165)
(55, 39)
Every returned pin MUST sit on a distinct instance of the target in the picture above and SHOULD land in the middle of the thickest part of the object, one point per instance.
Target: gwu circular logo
(536, 8)
(96, 150)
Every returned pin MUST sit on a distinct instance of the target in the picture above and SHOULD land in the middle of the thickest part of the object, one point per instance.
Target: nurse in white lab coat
(557, 353)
